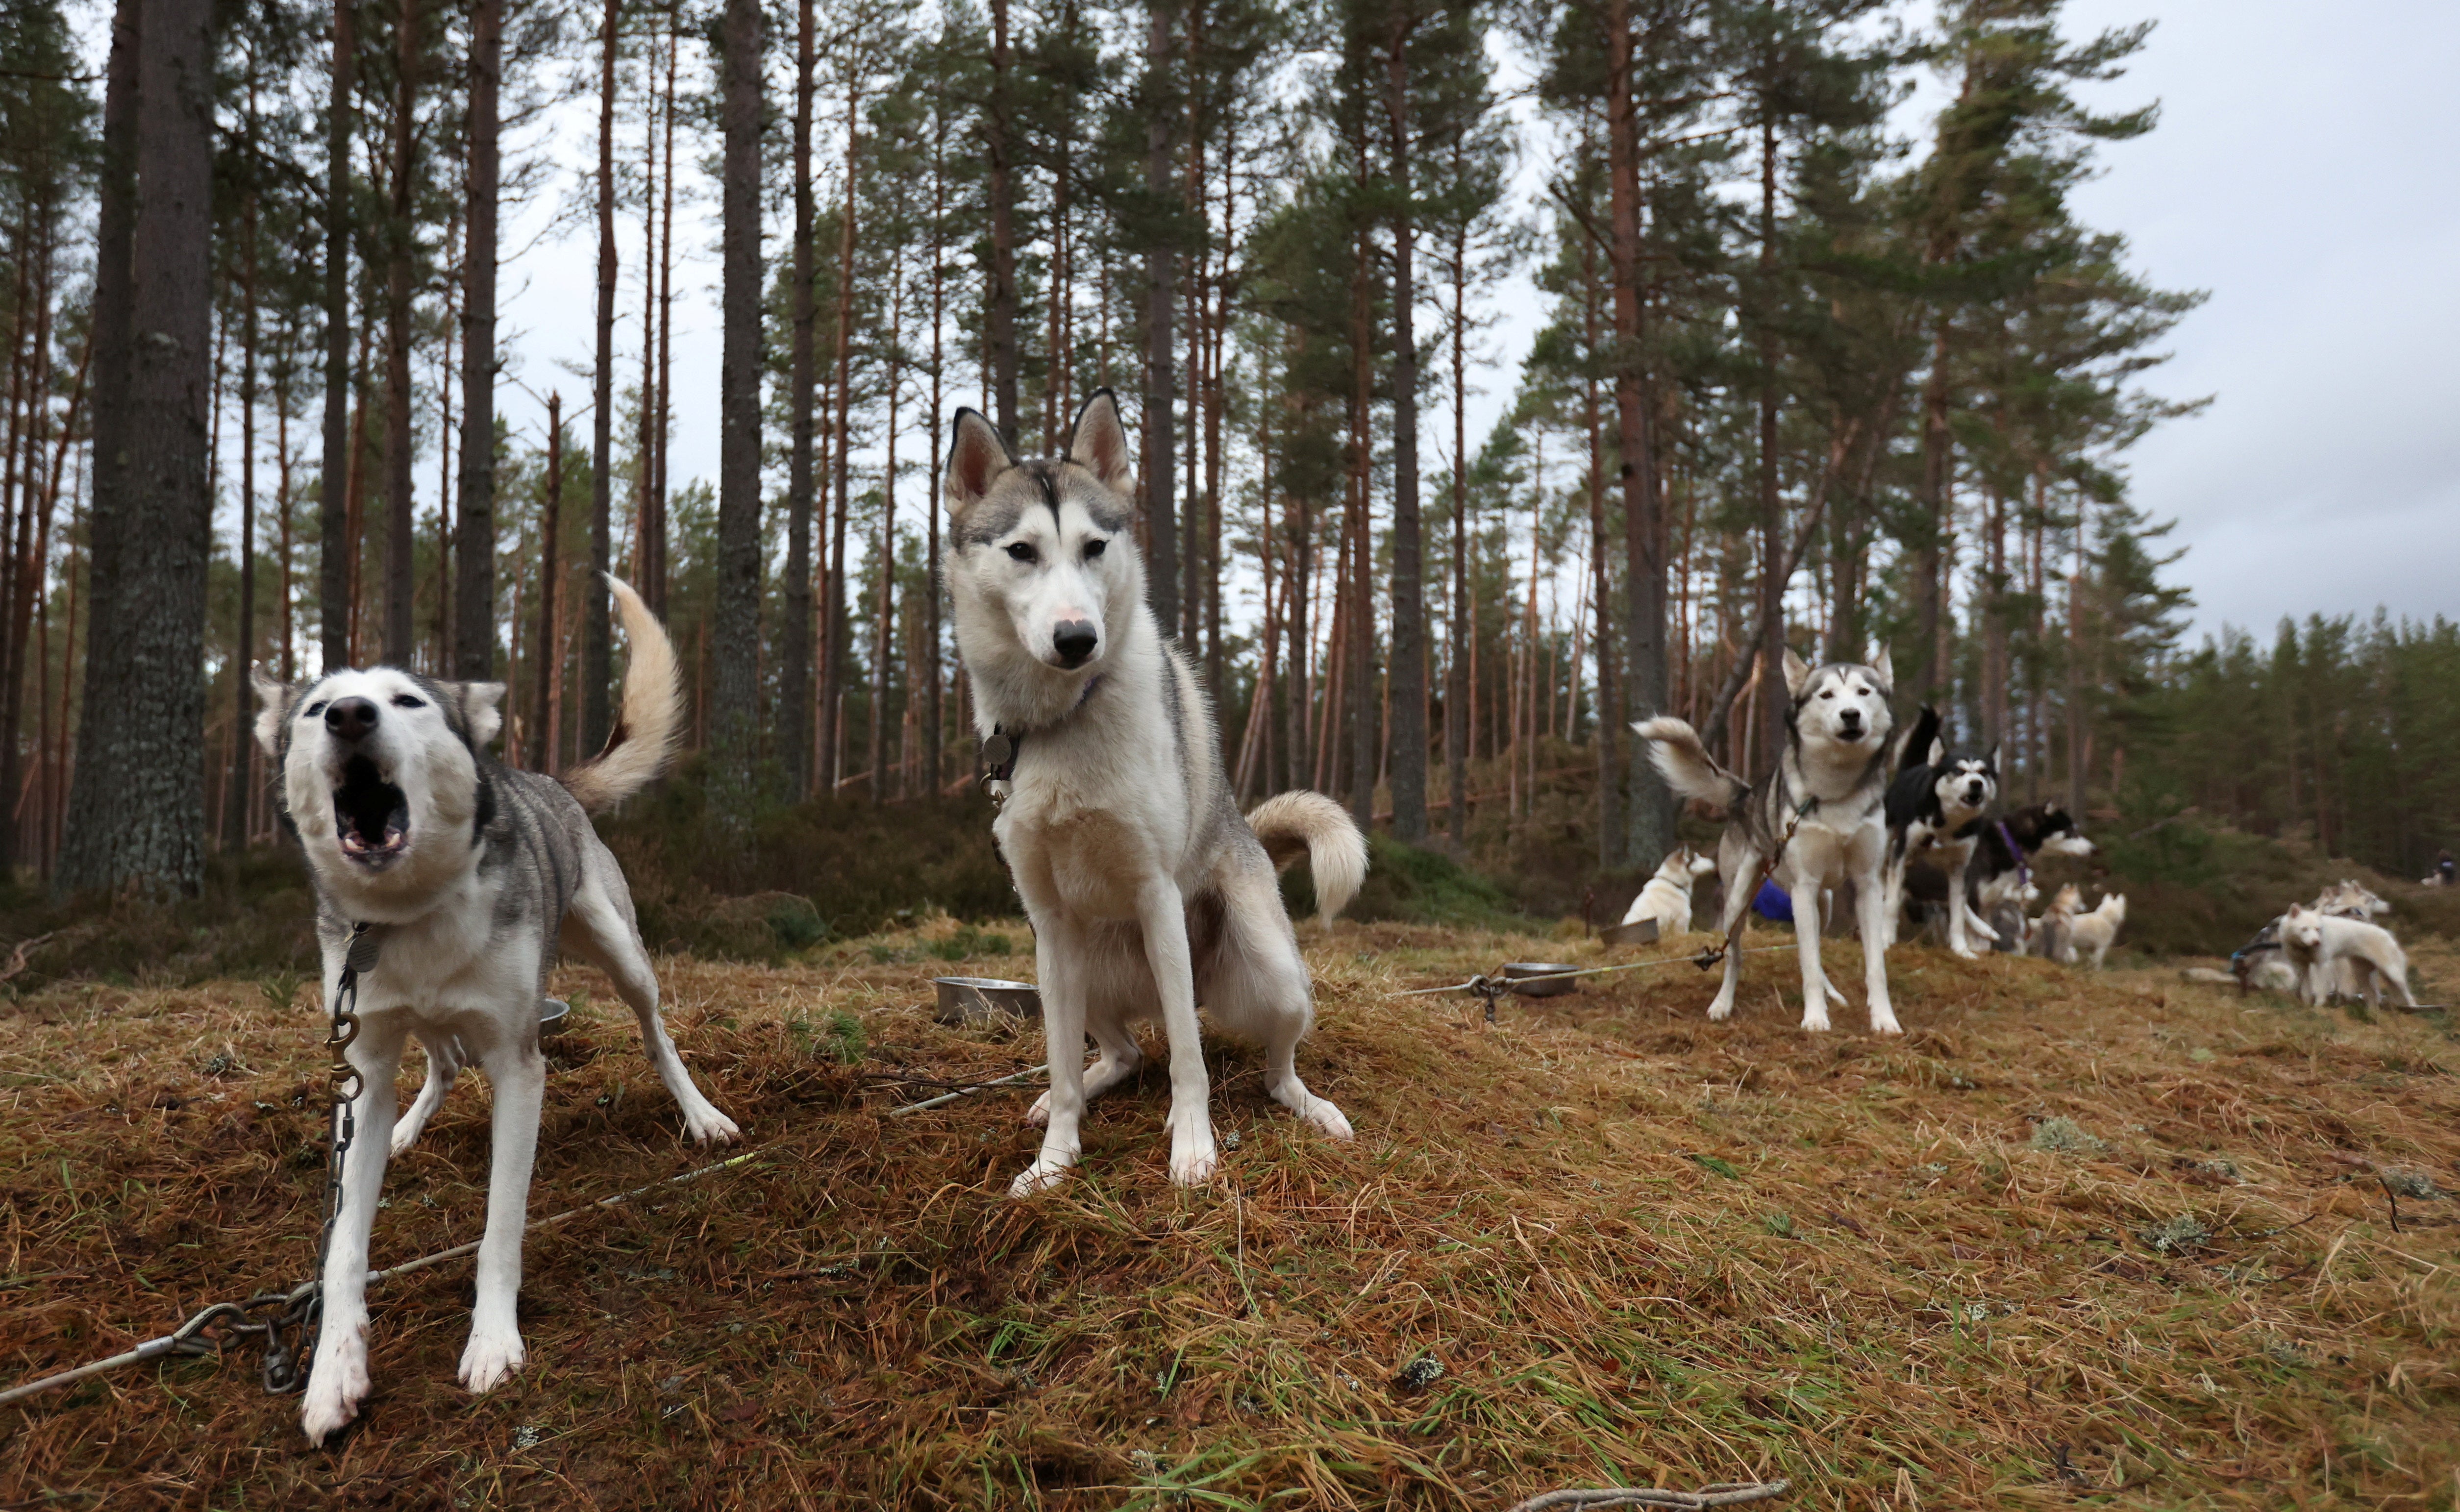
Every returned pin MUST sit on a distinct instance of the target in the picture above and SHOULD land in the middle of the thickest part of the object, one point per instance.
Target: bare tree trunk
(645, 514)
(473, 634)
(933, 749)
(794, 672)
(885, 631)
(1360, 578)
(334, 537)
(1609, 713)
(1936, 446)
(1652, 810)
(136, 811)
(400, 246)
(662, 539)
(1457, 694)
(1409, 665)
(597, 648)
(1000, 334)
(235, 817)
(833, 605)
(1774, 564)
(735, 697)
(549, 654)
(1161, 279)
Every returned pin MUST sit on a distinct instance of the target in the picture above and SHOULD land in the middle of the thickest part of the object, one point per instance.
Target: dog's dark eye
(1021, 552)
(407, 701)
(311, 711)
(1829, 693)
(1094, 549)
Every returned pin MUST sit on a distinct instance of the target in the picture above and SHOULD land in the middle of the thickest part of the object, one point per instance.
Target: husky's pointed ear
(1990, 758)
(976, 456)
(480, 711)
(1876, 659)
(1798, 674)
(273, 700)
(1937, 753)
(1098, 442)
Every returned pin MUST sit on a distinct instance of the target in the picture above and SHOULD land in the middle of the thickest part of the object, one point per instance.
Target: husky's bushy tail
(1680, 757)
(1289, 824)
(642, 745)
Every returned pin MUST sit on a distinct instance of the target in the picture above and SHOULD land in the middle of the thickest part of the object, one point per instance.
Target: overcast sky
(2303, 174)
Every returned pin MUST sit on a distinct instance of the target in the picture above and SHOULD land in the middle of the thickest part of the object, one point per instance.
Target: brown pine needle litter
(1603, 1244)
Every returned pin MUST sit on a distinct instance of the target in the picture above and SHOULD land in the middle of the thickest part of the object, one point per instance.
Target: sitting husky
(2071, 930)
(2317, 943)
(1667, 897)
(1832, 777)
(1936, 804)
(468, 877)
(1148, 893)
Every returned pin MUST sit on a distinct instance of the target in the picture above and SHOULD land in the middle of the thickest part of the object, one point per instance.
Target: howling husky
(1833, 780)
(1148, 893)
(469, 878)
(1939, 801)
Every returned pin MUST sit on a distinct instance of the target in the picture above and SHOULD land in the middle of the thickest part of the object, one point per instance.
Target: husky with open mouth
(469, 877)
(1939, 804)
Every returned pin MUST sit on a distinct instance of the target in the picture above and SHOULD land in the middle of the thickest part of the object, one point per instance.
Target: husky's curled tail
(1675, 748)
(642, 745)
(1289, 824)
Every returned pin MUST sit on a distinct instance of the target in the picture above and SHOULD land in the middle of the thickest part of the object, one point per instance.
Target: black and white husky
(1832, 777)
(1148, 892)
(1937, 805)
(470, 878)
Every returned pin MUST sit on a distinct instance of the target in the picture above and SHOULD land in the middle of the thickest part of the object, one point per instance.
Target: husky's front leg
(1161, 909)
(1962, 923)
(1059, 967)
(1875, 966)
(1815, 991)
(337, 1377)
(517, 1074)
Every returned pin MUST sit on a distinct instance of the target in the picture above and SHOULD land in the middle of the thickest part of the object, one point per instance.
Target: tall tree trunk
(597, 647)
(1359, 577)
(334, 537)
(1651, 805)
(1609, 711)
(1408, 665)
(473, 634)
(1773, 696)
(794, 668)
(138, 809)
(400, 246)
(644, 481)
(662, 429)
(833, 610)
(1000, 333)
(1458, 697)
(884, 628)
(25, 579)
(734, 695)
(549, 654)
(932, 728)
(1937, 445)
(236, 815)
(1162, 280)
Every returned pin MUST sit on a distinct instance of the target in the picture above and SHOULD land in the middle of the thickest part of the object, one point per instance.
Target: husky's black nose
(1852, 720)
(351, 718)
(1074, 641)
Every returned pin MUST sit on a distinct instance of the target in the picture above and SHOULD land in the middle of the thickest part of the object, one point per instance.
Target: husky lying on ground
(1935, 805)
(470, 876)
(1667, 896)
(2317, 943)
(1833, 776)
(1148, 893)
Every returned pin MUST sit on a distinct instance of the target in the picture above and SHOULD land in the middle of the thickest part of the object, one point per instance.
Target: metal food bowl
(552, 1013)
(1639, 931)
(980, 999)
(1554, 983)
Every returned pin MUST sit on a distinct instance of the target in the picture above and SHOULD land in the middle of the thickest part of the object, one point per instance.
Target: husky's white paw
(1039, 1114)
(1041, 1176)
(1193, 1167)
(337, 1383)
(1722, 1009)
(1816, 1022)
(1322, 1115)
(1884, 1022)
(404, 1135)
(1964, 952)
(709, 1126)
(491, 1359)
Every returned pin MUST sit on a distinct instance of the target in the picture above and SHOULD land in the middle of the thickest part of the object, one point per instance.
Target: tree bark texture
(474, 588)
(1408, 665)
(333, 549)
(734, 690)
(597, 634)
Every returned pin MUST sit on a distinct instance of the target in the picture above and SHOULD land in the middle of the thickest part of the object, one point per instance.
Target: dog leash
(2024, 872)
(1000, 751)
(1711, 955)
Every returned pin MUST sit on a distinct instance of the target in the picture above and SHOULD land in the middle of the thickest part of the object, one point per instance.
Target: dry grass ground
(1640, 1248)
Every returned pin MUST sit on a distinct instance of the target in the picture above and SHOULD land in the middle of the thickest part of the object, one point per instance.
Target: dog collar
(1000, 751)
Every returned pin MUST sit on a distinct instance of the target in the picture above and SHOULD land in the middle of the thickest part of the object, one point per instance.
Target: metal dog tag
(366, 945)
(997, 751)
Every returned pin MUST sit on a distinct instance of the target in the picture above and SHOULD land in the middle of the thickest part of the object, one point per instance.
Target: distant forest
(1827, 361)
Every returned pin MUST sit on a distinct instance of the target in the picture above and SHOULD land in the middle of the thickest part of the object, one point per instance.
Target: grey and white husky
(470, 876)
(1833, 776)
(1148, 892)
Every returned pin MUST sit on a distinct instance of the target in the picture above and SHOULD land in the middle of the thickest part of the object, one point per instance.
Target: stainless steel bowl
(982, 999)
(552, 1013)
(1552, 983)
